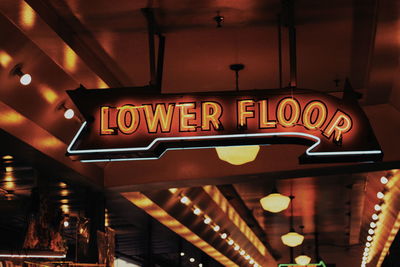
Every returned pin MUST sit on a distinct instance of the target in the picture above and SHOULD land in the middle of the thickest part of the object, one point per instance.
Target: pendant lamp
(302, 259)
(292, 239)
(275, 202)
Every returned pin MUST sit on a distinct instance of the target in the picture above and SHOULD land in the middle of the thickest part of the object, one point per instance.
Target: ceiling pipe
(288, 6)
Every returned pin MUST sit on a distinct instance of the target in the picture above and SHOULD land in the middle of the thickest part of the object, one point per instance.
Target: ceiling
(102, 44)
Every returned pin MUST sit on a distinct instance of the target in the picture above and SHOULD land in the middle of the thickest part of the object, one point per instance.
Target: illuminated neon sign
(129, 124)
(320, 264)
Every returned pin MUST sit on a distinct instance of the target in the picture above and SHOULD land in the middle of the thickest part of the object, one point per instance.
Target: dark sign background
(91, 145)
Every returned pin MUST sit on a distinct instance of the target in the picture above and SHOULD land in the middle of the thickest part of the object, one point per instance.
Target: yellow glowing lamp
(292, 239)
(237, 155)
(275, 202)
(302, 260)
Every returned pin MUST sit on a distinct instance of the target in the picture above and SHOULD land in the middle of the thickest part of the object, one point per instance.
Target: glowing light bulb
(191, 259)
(237, 247)
(375, 217)
(372, 225)
(66, 223)
(185, 200)
(369, 238)
(200, 265)
(224, 235)
(182, 254)
(207, 220)
(384, 180)
(378, 207)
(380, 195)
(364, 258)
(69, 114)
(371, 231)
(230, 242)
(242, 252)
(25, 79)
(368, 244)
(216, 228)
(251, 261)
(197, 211)
(247, 257)
(366, 249)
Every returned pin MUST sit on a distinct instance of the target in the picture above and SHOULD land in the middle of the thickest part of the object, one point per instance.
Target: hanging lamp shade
(302, 260)
(237, 155)
(292, 239)
(275, 202)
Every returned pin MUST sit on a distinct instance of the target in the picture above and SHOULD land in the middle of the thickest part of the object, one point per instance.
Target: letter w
(160, 116)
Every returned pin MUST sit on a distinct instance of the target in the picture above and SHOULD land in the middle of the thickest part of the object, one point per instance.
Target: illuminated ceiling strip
(235, 218)
(389, 241)
(169, 221)
(31, 256)
(321, 263)
(226, 136)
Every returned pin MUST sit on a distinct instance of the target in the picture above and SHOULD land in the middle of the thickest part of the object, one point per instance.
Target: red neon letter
(210, 114)
(124, 125)
(160, 116)
(243, 113)
(314, 106)
(339, 124)
(187, 115)
(264, 121)
(104, 121)
(294, 112)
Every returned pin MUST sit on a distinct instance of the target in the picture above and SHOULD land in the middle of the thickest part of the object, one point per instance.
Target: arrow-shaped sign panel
(132, 124)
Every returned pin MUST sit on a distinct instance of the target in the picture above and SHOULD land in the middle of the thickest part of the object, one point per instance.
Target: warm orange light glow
(48, 94)
(104, 121)
(124, 113)
(211, 113)
(302, 260)
(8, 157)
(321, 113)
(70, 58)
(265, 123)
(292, 239)
(294, 116)
(101, 84)
(244, 113)
(237, 155)
(339, 124)
(187, 115)
(173, 190)
(9, 169)
(27, 16)
(275, 202)
(9, 185)
(9, 177)
(11, 117)
(64, 193)
(5, 59)
(65, 208)
(160, 117)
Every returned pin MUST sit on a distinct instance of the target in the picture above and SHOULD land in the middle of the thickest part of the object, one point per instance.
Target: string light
(197, 211)
(384, 180)
(371, 231)
(185, 200)
(69, 114)
(375, 217)
(378, 207)
(207, 220)
(380, 195)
